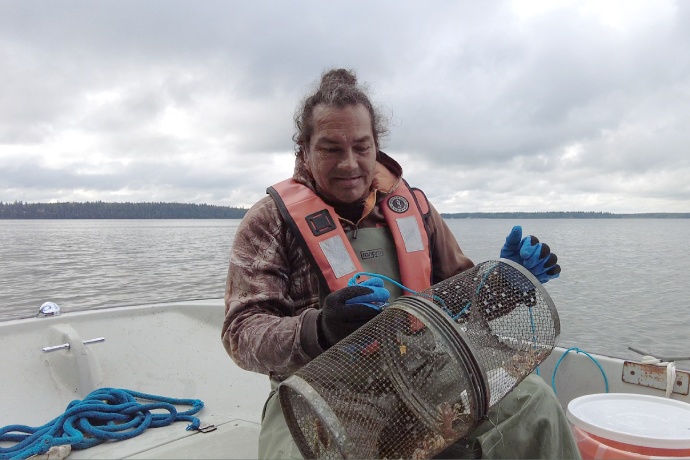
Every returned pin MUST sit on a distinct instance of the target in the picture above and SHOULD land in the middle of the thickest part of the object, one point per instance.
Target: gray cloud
(578, 107)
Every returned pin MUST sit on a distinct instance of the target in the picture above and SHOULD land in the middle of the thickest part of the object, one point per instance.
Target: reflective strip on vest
(331, 251)
(411, 236)
(337, 256)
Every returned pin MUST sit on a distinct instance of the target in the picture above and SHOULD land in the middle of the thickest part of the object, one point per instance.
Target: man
(296, 249)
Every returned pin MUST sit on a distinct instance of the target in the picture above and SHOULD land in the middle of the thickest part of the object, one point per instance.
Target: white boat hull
(174, 350)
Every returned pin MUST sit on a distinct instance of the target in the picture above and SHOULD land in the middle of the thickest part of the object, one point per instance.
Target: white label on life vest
(337, 256)
(409, 229)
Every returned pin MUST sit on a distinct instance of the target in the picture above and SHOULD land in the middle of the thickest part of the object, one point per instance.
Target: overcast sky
(493, 105)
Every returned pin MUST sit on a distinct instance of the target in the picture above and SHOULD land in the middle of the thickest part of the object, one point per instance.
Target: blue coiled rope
(105, 414)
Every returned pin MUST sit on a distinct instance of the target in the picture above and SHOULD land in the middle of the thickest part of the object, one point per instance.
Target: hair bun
(338, 77)
(338, 88)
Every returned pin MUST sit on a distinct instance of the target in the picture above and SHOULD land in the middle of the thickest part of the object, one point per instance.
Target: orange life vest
(318, 229)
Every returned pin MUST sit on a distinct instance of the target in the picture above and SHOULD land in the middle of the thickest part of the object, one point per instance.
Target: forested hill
(101, 210)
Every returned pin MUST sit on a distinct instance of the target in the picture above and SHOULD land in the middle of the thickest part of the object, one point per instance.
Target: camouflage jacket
(272, 293)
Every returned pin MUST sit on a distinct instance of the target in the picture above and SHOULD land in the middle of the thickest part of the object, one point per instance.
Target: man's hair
(339, 88)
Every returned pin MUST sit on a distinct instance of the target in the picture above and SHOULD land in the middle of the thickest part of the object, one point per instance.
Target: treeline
(101, 210)
(563, 215)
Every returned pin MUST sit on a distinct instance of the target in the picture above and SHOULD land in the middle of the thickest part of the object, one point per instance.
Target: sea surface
(625, 282)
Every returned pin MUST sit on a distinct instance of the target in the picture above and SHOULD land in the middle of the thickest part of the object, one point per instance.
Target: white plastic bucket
(623, 425)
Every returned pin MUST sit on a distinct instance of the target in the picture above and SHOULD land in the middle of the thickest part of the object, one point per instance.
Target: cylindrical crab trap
(424, 372)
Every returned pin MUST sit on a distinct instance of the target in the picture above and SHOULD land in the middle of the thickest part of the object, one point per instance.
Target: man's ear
(304, 155)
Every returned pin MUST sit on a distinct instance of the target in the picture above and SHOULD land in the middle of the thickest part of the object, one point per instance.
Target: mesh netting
(424, 372)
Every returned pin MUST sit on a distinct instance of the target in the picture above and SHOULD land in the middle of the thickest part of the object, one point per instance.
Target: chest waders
(376, 252)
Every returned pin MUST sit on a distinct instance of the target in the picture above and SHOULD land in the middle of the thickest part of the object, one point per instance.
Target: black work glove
(340, 315)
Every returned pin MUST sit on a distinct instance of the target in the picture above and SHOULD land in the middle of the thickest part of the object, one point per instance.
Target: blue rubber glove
(376, 299)
(531, 254)
(347, 309)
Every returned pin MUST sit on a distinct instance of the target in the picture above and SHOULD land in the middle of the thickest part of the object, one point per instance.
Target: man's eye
(331, 150)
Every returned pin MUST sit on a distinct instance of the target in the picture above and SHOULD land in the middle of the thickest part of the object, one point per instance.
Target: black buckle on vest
(320, 222)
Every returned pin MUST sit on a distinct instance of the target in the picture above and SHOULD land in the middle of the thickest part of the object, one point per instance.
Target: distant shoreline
(100, 210)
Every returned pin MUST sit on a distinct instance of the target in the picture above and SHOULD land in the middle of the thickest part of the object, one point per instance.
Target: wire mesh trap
(424, 372)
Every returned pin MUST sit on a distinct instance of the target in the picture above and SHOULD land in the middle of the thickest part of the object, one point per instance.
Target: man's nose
(348, 159)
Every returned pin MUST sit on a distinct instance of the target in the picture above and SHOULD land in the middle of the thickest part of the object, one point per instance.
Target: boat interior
(174, 350)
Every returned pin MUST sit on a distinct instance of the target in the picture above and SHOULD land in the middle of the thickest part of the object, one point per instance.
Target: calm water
(624, 282)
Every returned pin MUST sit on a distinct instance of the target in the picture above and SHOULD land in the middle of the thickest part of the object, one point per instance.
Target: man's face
(342, 153)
